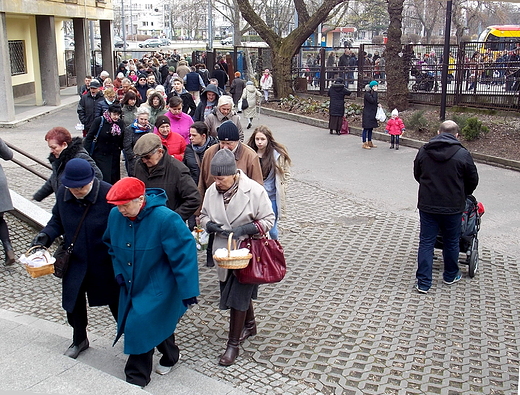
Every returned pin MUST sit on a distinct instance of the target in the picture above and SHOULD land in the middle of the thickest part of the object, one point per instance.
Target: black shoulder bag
(62, 254)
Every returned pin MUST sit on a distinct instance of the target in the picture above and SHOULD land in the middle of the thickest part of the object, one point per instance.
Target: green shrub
(418, 122)
(460, 119)
(473, 129)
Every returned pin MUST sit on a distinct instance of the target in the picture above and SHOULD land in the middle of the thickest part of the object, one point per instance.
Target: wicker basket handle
(230, 237)
(36, 247)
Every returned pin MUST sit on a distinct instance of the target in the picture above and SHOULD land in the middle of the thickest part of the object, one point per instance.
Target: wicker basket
(39, 271)
(235, 262)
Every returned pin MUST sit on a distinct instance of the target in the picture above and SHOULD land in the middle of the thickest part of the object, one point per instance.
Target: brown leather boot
(250, 324)
(236, 324)
(365, 146)
(9, 253)
(371, 145)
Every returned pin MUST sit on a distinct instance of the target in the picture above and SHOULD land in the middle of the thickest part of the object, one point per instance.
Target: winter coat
(249, 204)
(157, 257)
(90, 263)
(74, 150)
(129, 114)
(107, 151)
(369, 109)
(102, 106)
(216, 118)
(266, 82)
(199, 111)
(446, 174)
(132, 134)
(87, 109)
(395, 126)
(142, 89)
(281, 179)
(251, 94)
(246, 160)
(193, 82)
(182, 70)
(221, 76)
(180, 124)
(174, 177)
(193, 160)
(236, 89)
(188, 104)
(5, 196)
(174, 143)
(337, 93)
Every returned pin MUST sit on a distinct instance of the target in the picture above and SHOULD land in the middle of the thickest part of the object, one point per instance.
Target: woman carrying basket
(233, 203)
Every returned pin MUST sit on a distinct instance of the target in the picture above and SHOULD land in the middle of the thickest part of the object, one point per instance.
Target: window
(17, 57)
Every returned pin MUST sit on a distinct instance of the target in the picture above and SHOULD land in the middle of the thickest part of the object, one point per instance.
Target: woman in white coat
(234, 203)
(266, 82)
(251, 94)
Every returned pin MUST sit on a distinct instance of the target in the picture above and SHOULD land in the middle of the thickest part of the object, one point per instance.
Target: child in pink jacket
(395, 127)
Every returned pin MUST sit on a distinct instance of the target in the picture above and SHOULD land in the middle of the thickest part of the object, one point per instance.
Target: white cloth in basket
(223, 253)
(38, 259)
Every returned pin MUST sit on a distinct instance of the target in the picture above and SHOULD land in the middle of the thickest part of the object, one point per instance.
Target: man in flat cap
(157, 169)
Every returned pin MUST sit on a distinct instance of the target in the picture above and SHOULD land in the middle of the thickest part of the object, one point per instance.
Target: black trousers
(139, 367)
(78, 318)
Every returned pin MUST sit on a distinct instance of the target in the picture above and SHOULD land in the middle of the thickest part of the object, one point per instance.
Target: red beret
(125, 190)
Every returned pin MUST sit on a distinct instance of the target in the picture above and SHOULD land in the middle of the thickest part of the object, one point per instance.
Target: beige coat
(249, 204)
(251, 94)
(281, 183)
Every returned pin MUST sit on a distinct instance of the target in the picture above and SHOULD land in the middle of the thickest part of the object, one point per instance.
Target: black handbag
(245, 104)
(62, 253)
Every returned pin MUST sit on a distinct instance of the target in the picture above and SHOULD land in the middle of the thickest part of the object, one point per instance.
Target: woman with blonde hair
(275, 163)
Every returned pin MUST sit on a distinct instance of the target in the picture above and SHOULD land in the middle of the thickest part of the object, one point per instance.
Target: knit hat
(78, 173)
(228, 131)
(147, 144)
(94, 84)
(223, 163)
(126, 190)
(171, 68)
(395, 112)
(373, 83)
(161, 120)
(143, 75)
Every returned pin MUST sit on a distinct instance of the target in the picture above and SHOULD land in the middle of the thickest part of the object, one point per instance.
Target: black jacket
(446, 174)
(87, 108)
(337, 93)
(174, 177)
(199, 111)
(190, 159)
(370, 109)
(74, 150)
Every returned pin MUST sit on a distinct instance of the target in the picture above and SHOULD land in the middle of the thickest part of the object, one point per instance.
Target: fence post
(322, 70)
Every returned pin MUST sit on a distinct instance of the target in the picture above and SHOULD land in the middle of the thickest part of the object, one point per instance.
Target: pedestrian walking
(266, 83)
(90, 273)
(236, 88)
(6, 204)
(395, 127)
(174, 142)
(275, 163)
(155, 263)
(446, 175)
(234, 203)
(134, 132)
(87, 105)
(223, 112)
(251, 94)
(337, 93)
(370, 106)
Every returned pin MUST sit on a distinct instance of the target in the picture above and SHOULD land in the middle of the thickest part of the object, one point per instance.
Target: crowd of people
(178, 132)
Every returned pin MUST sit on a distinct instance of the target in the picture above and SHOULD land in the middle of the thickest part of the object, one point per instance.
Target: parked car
(119, 43)
(165, 42)
(227, 41)
(150, 43)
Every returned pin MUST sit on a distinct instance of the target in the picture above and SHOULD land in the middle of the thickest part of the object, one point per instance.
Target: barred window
(17, 57)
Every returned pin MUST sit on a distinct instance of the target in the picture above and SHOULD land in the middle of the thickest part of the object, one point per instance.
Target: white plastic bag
(380, 114)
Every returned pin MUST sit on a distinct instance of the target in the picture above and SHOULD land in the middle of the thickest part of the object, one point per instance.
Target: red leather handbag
(267, 264)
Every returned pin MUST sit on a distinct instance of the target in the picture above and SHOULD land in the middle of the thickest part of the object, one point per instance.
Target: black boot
(331, 131)
(9, 253)
(391, 146)
(397, 146)
(236, 324)
(250, 324)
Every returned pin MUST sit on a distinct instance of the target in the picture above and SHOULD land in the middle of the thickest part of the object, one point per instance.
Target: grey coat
(5, 197)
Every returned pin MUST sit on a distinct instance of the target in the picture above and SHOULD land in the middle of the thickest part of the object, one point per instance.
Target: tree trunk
(397, 62)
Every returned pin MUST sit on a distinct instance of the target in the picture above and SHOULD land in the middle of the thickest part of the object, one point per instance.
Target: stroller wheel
(473, 259)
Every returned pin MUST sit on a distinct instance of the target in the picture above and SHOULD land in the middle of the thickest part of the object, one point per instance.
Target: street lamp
(445, 60)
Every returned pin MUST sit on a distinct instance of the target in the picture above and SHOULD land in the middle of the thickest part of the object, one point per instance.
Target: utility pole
(445, 60)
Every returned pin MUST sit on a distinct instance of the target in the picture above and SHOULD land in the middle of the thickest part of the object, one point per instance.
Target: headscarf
(115, 130)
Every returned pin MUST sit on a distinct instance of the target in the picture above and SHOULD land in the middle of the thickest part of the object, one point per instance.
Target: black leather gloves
(242, 230)
(190, 301)
(41, 239)
(213, 227)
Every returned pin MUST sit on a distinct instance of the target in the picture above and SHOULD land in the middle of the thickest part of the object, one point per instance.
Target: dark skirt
(335, 122)
(234, 295)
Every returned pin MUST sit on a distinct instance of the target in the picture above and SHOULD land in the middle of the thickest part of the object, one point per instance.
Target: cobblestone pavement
(346, 319)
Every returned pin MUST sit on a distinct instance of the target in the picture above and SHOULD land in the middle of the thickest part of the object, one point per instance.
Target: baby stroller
(470, 226)
(424, 81)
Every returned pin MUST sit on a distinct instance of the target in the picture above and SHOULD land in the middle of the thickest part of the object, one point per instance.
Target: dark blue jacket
(337, 93)
(90, 262)
(193, 82)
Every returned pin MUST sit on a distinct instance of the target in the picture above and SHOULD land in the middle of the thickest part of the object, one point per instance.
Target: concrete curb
(39, 111)
(487, 159)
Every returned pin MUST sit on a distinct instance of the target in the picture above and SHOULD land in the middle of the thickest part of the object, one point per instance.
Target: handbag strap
(71, 245)
(259, 227)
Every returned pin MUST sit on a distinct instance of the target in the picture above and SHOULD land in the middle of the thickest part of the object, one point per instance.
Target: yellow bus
(500, 37)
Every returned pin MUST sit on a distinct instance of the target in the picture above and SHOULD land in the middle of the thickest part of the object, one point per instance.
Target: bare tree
(428, 13)
(284, 48)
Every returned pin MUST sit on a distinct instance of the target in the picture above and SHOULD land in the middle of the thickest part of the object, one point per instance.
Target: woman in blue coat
(90, 268)
(155, 262)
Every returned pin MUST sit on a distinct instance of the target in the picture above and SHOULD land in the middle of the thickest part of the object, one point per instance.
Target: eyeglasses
(147, 156)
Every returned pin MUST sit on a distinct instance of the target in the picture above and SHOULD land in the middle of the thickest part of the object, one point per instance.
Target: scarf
(199, 149)
(115, 130)
(228, 195)
(138, 128)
